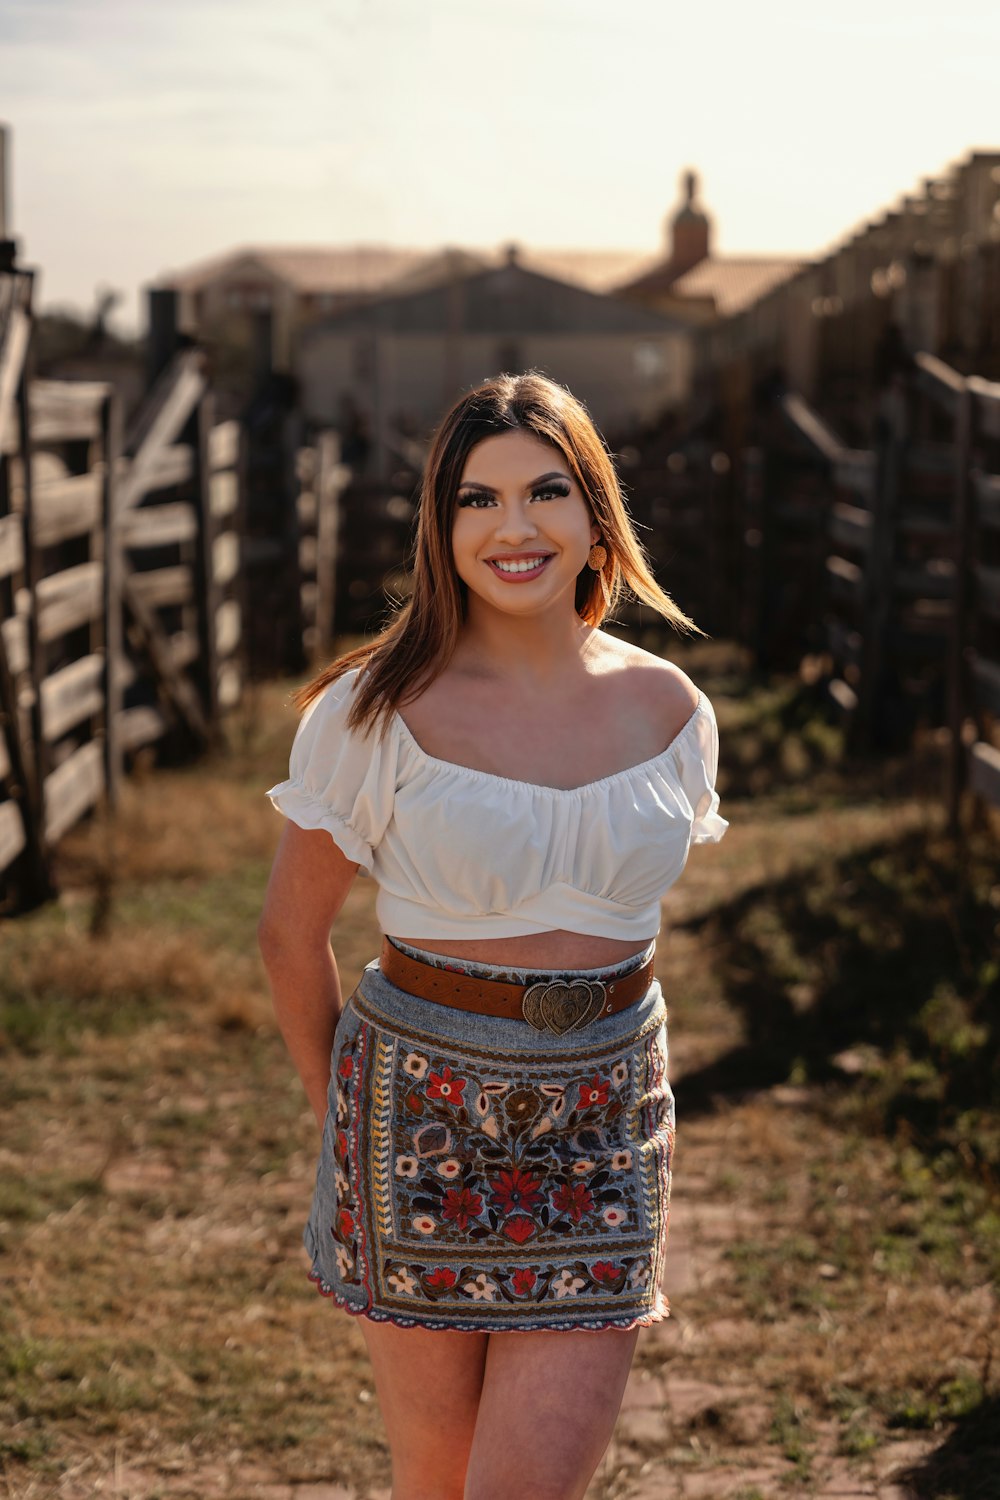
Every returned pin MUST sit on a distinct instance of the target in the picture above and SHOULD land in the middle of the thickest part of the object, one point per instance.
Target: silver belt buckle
(561, 1005)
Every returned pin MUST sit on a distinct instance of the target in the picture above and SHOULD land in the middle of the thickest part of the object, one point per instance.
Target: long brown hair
(417, 644)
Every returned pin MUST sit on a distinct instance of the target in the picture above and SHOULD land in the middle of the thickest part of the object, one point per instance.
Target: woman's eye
(551, 492)
(476, 501)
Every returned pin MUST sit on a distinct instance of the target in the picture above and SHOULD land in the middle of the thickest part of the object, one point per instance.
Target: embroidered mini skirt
(478, 1174)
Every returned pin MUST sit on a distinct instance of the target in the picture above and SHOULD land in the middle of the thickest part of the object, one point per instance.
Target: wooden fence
(120, 579)
(886, 563)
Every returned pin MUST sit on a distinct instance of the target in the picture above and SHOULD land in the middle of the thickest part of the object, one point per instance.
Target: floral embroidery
(460, 1206)
(444, 1085)
(515, 1189)
(573, 1198)
(567, 1285)
(594, 1095)
(441, 1280)
(562, 1162)
(482, 1289)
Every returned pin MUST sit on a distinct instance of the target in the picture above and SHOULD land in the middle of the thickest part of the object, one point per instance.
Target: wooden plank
(224, 493)
(72, 789)
(843, 695)
(207, 583)
(140, 726)
(984, 771)
(986, 395)
(158, 525)
(65, 508)
(68, 599)
(939, 381)
(810, 425)
(986, 678)
(987, 595)
(845, 579)
(227, 627)
(12, 356)
(157, 646)
(73, 693)
(986, 490)
(230, 684)
(14, 635)
(225, 558)
(114, 572)
(224, 445)
(850, 526)
(160, 587)
(66, 410)
(11, 545)
(12, 836)
(167, 468)
(176, 405)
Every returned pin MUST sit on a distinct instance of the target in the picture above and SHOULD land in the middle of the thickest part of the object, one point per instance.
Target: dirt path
(834, 1318)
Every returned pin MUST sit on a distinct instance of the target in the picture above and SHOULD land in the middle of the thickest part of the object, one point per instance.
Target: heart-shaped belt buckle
(559, 1005)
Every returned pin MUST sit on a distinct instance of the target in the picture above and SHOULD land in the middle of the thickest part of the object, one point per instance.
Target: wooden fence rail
(120, 589)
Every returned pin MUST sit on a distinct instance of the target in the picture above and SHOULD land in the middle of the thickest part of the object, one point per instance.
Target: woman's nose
(515, 523)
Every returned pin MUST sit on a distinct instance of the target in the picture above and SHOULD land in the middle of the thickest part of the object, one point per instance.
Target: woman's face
(522, 529)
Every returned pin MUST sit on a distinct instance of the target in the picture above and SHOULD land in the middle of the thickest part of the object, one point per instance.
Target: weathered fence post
(328, 487)
(114, 563)
(958, 634)
(878, 574)
(206, 590)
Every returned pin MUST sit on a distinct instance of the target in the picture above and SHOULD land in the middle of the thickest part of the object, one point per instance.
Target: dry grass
(157, 1151)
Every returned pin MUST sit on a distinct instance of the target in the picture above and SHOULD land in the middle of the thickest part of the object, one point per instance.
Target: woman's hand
(308, 885)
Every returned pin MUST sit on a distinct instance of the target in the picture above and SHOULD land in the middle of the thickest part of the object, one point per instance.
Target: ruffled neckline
(560, 791)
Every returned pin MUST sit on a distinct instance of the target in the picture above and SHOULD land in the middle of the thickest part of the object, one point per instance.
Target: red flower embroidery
(523, 1282)
(444, 1085)
(340, 1151)
(442, 1280)
(519, 1229)
(515, 1189)
(605, 1271)
(594, 1093)
(461, 1205)
(575, 1199)
(345, 1223)
(346, 1067)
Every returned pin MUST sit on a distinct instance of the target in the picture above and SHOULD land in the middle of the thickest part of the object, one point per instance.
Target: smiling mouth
(517, 568)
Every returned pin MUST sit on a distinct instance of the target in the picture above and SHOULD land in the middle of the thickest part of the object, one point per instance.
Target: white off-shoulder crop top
(460, 853)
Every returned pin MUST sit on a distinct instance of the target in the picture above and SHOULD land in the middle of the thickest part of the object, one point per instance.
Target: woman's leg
(548, 1408)
(428, 1387)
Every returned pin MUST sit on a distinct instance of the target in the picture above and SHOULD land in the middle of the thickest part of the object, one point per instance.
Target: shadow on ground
(887, 955)
(967, 1464)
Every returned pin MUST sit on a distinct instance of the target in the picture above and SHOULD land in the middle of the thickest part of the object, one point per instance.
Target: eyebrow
(553, 474)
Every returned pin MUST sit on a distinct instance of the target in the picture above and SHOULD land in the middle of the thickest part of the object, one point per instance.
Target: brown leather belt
(548, 1003)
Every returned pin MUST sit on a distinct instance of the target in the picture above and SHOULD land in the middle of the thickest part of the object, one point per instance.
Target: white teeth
(517, 567)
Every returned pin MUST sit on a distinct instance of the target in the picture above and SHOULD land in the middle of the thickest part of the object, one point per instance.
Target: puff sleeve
(339, 779)
(699, 766)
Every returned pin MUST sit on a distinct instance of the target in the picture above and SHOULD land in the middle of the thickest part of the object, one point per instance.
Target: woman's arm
(309, 882)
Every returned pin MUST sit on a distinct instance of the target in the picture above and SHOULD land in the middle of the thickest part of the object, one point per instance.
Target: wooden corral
(120, 579)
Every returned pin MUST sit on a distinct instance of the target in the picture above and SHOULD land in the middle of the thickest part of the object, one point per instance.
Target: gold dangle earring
(598, 557)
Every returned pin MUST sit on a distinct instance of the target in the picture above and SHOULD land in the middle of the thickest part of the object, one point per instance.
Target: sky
(147, 136)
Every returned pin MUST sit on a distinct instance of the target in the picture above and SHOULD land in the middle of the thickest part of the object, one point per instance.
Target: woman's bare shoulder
(650, 679)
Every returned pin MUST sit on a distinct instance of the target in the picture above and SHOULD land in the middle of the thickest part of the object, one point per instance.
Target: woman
(497, 1122)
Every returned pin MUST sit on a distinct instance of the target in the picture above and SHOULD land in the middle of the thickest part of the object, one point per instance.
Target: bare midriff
(542, 950)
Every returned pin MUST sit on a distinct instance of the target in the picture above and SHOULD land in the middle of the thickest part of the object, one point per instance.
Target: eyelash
(548, 492)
